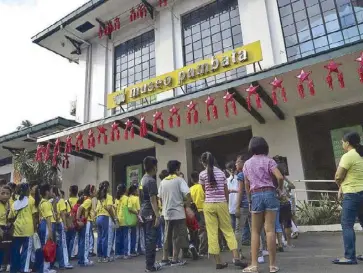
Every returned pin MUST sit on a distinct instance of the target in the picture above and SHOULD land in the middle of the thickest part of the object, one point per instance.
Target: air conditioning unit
(73, 108)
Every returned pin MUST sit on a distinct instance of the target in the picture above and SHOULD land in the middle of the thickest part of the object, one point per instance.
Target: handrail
(315, 181)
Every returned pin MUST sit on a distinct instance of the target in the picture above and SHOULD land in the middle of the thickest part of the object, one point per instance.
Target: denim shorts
(264, 201)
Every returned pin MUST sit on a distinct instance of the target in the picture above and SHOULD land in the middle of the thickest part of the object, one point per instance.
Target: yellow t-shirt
(87, 205)
(61, 206)
(3, 211)
(134, 202)
(46, 210)
(353, 163)
(198, 196)
(101, 206)
(23, 226)
(121, 204)
(32, 200)
(70, 203)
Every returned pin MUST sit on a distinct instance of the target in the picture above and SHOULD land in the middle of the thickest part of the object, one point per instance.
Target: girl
(61, 228)
(122, 232)
(5, 193)
(85, 225)
(71, 233)
(22, 215)
(134, 207)
(46, 227)
(105, 221)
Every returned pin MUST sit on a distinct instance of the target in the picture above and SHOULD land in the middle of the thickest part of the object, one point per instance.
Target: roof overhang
(73, 33)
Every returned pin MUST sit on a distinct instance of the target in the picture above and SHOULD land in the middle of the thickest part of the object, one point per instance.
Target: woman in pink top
(262, 196)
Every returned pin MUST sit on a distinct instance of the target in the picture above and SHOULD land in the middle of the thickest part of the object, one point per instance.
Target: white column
(282, 139)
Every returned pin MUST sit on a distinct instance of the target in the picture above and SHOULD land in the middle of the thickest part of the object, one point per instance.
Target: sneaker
(178, 263)
(126, 257)
(294, 235)
(194, 252)
(157, 249)
(238, 262)
(133, 255)
(50, 271)
(264, 253)
(280, 249)
(164, 263)
(118, 257)
(111, 259)
(92, 254)
(3, 268)
(105, 260)
(68, 266)
(260, 259)
(89, 263)
(100, 260)
(156, 267)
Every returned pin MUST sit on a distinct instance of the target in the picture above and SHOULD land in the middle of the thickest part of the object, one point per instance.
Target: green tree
(33, 171)
(24, 124)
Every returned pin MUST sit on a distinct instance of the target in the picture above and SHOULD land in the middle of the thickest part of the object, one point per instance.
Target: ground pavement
(313, 254)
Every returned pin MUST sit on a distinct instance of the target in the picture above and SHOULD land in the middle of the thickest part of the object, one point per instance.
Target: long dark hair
(208, 160)
(37, 196)
(120, 191)
(13, 188)
(88, 190)
(102, 190)
(353, 139)
(23, 190)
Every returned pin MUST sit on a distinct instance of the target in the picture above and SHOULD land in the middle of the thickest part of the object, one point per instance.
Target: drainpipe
(106, 78)
(88, 84)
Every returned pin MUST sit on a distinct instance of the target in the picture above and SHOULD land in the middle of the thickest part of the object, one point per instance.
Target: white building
(293, 35)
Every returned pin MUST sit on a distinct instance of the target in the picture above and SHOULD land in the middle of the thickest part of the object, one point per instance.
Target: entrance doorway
(128, 169)
(224, 147)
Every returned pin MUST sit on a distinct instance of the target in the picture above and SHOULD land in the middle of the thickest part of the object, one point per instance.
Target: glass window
(136, 61)
(312, 26)
(208, 31)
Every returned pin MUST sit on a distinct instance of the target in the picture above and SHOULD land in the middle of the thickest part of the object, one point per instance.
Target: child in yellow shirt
(122, 233)
(134, 208)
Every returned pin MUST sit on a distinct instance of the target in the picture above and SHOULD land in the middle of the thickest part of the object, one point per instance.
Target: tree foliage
(24, 124)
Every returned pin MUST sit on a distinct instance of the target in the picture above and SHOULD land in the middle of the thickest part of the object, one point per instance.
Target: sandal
(344, 261)
(250, 269)
(274, 269)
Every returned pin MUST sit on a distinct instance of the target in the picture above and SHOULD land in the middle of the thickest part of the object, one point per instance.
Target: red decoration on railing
(174, 112)
(158, 117)
(117, 24)
(91, 139)
(229, 99)
(79, 142)
(39, 153)
(115, 132)
(69, 147)
(333, 67)
(277, 84)
(102, 131)
(109, 28)
(129, 129)
(65, 161)
(143, 127)
(163, 3)
(56, 152)
(210, 103)
(47, 152)
(305, 76)
(192, 110)
(140, 11)
(252, 91)
(360, 69)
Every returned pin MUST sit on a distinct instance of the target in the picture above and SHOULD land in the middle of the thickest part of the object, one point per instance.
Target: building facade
(140, 59)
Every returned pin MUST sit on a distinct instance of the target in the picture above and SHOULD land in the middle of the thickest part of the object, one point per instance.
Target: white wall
(7, 169)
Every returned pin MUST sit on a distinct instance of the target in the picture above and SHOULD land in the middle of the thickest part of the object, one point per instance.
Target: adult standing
(174, 193)
(216, 211)
(150, 212)
(349, 178)
(262, 196)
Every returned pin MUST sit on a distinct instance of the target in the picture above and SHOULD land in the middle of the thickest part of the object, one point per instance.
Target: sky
(35, 84)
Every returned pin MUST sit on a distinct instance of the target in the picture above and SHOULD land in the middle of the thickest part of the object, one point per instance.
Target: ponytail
(23, 190)
(353, 139)
(359, 149)
(88, 190)
(208, 160)
(37, 196)
(102, 191)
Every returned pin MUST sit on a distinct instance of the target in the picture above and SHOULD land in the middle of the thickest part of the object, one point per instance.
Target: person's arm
(79, 213)
(226, 192)
(248, 189)
(49, 228)
(340, 176)
(280, 179)
(289, 183)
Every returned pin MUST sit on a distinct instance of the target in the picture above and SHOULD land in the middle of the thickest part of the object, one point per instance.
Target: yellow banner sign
(238, 57)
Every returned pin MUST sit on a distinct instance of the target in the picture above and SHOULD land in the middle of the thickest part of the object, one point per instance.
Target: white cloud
(35, 83)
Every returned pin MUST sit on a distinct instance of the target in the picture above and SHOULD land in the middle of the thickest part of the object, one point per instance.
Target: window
(312, 26)
(208, 31)
(135, 63)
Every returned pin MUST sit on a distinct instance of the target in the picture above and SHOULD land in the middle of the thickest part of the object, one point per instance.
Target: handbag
(130, 218)
(36, 242)
(49, 250)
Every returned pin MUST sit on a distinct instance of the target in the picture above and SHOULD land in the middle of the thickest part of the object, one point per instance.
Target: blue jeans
(278, 227)
(150, 243)
(233, 221)
(21, 249)
(71, 235)
(264, 201)
(122, 242)
(246, 235)
(132, 247)
(105, 236)
(84, 244)
(352, 206)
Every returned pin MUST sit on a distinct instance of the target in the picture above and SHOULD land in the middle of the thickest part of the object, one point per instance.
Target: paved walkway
(313, 254)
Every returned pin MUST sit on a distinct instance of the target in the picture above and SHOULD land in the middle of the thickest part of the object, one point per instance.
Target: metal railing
(306, 191)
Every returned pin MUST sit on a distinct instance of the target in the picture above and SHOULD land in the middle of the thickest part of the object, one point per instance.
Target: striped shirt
(214, 194)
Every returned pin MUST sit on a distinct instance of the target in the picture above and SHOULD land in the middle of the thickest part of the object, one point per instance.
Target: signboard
(224, 62)
(337, 136)
(133, 174)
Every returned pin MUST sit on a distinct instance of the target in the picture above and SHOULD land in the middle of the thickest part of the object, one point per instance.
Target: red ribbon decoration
(47, 153)
(79, 142)
(102, 131)
(305, 76)
(163, 3)
(229, 99)
(158, 116)
(143, 127)
(91, 139)
(360, 69)
(174, 112)
(333, 67)
(115, 132)
(39, 153)
(69, 147)
(252, 91)
(192, 110)
(210, 103)
(277, 84)
(56, 152)
(129, 128)
(65, 161)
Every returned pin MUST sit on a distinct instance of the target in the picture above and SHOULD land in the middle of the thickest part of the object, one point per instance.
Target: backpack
(70, 218)
(73, 215)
